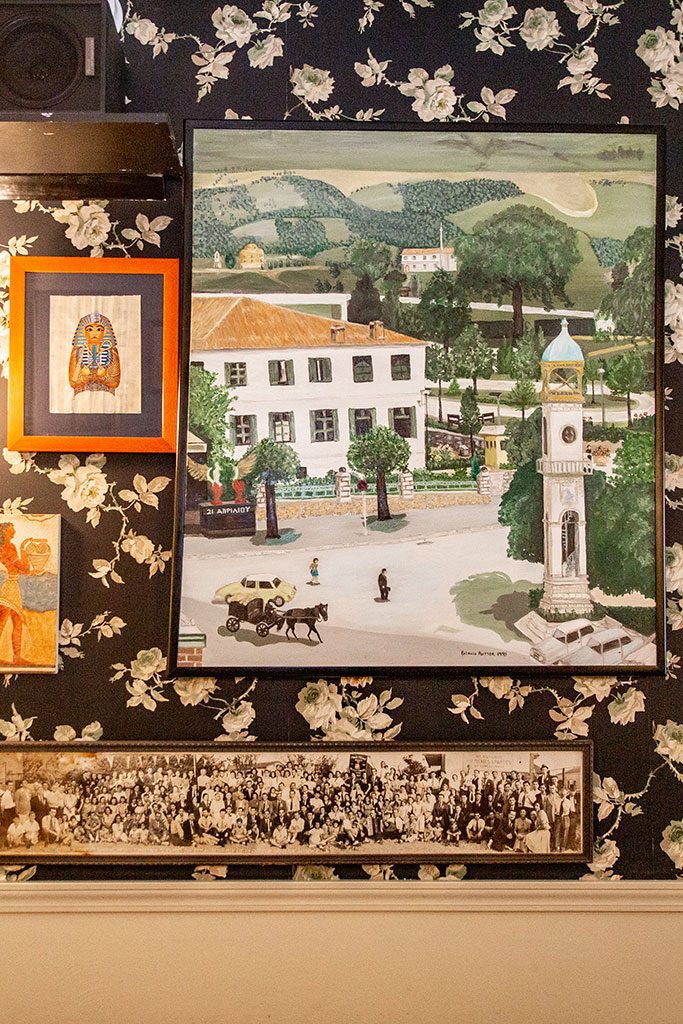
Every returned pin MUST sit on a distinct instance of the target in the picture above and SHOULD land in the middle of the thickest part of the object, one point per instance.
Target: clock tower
(563, 467)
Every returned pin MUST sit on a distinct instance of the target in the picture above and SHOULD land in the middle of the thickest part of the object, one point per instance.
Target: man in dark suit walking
(383, 585)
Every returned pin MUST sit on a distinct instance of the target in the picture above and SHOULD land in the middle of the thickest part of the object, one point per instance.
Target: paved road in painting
(419, 625)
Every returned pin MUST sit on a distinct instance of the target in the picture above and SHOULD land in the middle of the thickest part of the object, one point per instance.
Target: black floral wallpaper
(562, 62)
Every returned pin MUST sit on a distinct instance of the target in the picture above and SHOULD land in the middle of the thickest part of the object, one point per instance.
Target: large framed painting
(423, 426)
(178, 802)
(93, 354)
(29, 593)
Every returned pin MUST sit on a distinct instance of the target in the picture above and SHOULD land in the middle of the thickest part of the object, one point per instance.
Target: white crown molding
(442, 896)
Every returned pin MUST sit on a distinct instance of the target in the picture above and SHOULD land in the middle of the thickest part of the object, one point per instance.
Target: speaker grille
(41, 62)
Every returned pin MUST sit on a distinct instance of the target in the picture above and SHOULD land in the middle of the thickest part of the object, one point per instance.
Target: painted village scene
(421, 420)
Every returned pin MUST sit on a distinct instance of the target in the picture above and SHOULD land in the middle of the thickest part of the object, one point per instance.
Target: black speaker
(59, 56)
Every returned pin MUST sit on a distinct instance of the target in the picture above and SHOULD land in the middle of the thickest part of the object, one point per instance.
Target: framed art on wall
(29, 593)
(93, 354)
(423, 429)
(139, 802)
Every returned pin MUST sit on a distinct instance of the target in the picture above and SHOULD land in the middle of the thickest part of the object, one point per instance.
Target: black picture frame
(575, 755)
(180, 665)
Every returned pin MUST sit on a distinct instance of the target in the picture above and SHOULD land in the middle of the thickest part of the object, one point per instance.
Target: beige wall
(322, 953)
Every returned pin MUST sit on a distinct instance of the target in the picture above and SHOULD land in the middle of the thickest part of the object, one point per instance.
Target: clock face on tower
(569, 434)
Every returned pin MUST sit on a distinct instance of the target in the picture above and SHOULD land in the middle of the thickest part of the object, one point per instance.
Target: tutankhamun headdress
(94, 364)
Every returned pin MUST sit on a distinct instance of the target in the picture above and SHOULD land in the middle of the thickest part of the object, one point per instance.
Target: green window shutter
(271, 426)
(233, 431)
(352, 424)
(290, 371)
(311, 370)
(327, 370)
(413, 422)
(273, 371)
(252, 429)
(311, 422)
(292, 427)
(335, 417)
(373, 413)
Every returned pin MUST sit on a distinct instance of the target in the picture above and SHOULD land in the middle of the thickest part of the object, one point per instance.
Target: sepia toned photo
(119, 802)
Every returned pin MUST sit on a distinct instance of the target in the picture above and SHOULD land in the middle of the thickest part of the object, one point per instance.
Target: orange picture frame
(32, 422)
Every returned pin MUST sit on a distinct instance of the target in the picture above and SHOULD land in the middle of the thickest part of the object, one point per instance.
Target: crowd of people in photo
(305, 803)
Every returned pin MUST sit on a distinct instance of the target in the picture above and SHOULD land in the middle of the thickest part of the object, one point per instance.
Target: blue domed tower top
(562, 366)
(563, 348)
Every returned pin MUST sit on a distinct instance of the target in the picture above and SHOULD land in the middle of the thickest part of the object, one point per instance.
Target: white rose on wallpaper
(233, 25)
(138, 547)
(435, 99)
(582, 61)
(674, 568)
(672, 84)
(599, 687)
(369, 713)
(319, 703)
(673, 304)
(86, 487)
(274, 11)
(674, 209)
(494, 12)
(540, 29)
(142, 29)
(499, 686)
(605, 855)
(194, 691)
(88, 226)
(264, 51)
(673, 471)
(4, 268)
(371, 73)
(64, 734)
(658, 48)
(313, 85)
(19, 462)
(672, 843)
(625, 706)
(239, 719)
(147, 664)
(669, 739)
(346, 727)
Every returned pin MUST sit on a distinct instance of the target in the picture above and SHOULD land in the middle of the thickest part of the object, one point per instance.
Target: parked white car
(608, 647)
(565, 638)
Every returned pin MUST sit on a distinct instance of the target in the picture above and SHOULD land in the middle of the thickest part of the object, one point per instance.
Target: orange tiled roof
(447, 250)
(241, 322)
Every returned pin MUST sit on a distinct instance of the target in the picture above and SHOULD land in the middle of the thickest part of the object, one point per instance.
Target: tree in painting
(470, 417)
(443, 311)
(522, 252)
(439, 367)
(375, 454)
(630, 303)
(523, 395)
(625, 375)
(210, 403)
(472, 356)
(274, 463)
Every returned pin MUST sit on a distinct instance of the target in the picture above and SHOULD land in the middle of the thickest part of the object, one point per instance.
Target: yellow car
(268, 588)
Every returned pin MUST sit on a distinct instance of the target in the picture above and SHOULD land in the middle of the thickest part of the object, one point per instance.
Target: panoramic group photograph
(422, 428)
(278, 804)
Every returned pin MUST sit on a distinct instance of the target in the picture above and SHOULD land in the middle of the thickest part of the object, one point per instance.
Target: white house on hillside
(309, 381)
(426, 261)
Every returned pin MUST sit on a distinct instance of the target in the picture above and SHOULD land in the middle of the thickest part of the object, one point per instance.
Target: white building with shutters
(309, 381)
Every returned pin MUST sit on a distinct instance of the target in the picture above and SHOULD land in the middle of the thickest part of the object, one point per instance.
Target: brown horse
(309, 617)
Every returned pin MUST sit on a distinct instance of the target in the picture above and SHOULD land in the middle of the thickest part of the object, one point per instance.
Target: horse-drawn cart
(258, 612)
